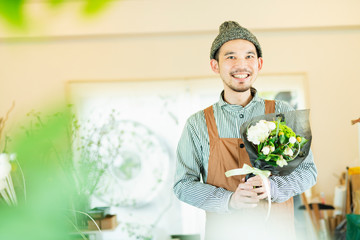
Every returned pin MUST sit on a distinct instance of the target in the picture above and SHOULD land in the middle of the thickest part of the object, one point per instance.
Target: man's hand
(249, 193)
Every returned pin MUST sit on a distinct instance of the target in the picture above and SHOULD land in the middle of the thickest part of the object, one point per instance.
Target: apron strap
(211, 123)
(269, 106)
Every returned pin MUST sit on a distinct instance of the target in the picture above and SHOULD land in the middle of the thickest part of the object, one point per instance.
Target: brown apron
(227, 154)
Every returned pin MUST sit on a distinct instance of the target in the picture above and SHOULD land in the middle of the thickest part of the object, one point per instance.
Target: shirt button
(241, 115)
(242, 145)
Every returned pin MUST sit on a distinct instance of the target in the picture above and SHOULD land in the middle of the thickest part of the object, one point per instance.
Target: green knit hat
(231, 30)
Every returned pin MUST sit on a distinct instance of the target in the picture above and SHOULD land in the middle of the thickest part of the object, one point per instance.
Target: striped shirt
(193, 157)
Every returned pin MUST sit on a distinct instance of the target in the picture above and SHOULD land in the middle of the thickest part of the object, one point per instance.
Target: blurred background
(142, 67)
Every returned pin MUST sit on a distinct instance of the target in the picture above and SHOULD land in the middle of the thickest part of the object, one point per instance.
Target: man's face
(238, 65)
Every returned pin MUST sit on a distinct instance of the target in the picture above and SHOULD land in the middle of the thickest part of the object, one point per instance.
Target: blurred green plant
(78, 155)
(62, 171)
(63, 160)
(14, 11)
(42, 216)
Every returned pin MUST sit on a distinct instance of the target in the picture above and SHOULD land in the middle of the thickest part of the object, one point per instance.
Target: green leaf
(277, 151)
(303, 142)
(274, 156)
(262, 157)
(260, 146)
(277, 127)
(272, 163)
(282, 139)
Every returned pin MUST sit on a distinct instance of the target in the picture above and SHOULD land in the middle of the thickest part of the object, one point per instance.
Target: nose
(240, 63)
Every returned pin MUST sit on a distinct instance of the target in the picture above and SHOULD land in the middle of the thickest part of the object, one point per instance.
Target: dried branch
(3, 120)
(355, 121)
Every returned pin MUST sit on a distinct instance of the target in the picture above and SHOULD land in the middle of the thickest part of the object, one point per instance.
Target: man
(210, 145)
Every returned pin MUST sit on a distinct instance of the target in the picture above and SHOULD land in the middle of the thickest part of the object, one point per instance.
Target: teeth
(241, 76)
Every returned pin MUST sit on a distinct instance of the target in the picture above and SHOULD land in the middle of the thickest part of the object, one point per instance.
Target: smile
(241, 76)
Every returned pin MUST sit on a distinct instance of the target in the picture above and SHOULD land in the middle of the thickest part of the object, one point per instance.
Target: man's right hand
(245, 196)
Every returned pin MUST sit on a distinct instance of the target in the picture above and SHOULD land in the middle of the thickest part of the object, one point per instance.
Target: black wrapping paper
(298, 121)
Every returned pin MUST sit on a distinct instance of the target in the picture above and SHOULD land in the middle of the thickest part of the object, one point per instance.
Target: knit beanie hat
(231, 30)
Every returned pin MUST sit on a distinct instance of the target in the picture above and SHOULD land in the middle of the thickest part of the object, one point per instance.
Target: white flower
(272, 148)
(6, 186)
(266, 150)
(4, 157)
(5, 166)
(271, 125)
(288, 152)
(12, 156)
(258, 133)
(292, 140)
(281, 162)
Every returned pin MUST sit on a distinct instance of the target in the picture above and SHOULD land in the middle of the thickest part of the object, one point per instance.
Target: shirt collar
(254, 93)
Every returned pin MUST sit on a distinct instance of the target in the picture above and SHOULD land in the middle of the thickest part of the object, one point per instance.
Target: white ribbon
(264, 174)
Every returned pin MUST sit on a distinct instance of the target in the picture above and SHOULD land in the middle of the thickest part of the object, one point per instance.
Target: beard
(238, 89)
(233, 85)
(243, 89)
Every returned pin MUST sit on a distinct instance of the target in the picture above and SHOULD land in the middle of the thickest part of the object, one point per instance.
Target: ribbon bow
(264, 174)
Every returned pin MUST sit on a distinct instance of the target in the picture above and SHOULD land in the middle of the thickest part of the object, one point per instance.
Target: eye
(230, 57)
(250, 56)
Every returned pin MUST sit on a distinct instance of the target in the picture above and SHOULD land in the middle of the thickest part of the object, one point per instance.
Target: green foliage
(15, 15)
(42, 215)
(279, 141)
(94, 6)
(62, 166)
(13, 12)
(56, 3)
(61, 160)
(303, 142)
(77, 151)
(282, 127)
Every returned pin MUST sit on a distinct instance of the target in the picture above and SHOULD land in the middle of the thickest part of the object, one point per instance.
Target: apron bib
(227, 154)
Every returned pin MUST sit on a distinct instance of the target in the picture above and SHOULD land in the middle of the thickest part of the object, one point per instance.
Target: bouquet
(276, 144)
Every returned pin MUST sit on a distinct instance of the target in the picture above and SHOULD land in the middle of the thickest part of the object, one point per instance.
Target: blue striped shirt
(193, 156)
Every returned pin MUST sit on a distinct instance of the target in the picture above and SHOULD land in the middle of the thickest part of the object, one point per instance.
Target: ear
(214, 66)
(260, 63)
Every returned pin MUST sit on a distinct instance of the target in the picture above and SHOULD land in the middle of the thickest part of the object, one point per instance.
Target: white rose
(252, 136)
(5, 166)
(292, 140)
(288, 152)
(265, 150)
(271, 125)
(281, 162)
(258, 133)
(262, 122)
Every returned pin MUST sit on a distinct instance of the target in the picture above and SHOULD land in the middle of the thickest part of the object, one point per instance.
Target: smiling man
(238, 65)
(211, 144)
